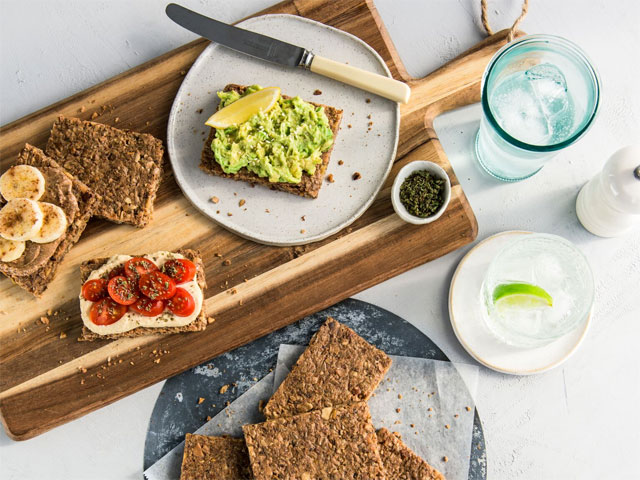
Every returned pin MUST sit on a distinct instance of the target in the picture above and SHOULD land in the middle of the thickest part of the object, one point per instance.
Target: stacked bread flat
(318, 423)
(87, 169)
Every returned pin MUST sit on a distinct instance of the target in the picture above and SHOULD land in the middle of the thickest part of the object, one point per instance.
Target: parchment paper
(228, 422)
(422, 384)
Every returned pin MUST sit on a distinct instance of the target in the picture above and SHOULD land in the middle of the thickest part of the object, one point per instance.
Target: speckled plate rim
(579, 334)
(171, 147)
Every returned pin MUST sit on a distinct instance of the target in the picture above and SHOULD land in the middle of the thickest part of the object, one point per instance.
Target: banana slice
(22, 181)
(54, 223)
(20, 219)
(10, 250)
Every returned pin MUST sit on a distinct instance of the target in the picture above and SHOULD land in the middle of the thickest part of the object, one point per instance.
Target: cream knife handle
(371, 82)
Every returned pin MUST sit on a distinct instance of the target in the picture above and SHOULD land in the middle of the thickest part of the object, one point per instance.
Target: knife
(282, 53)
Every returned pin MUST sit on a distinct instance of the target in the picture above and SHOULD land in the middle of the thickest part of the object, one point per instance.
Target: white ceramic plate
(475, 337)
(371, 153)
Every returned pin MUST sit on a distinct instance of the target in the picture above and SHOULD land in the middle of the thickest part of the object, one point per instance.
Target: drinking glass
(540, 94)
(539, 260)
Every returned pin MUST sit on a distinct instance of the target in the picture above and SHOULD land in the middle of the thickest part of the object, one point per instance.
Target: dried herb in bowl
(422, 193)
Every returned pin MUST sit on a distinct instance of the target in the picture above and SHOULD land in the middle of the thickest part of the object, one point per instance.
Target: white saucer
(475, 337)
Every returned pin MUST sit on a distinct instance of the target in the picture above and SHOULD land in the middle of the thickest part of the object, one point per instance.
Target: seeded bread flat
(200, 323)
(124, 168)
(215, 458)
(400, 462)
(309, 185)
(36, 282)
(332, 443)
(339, 367)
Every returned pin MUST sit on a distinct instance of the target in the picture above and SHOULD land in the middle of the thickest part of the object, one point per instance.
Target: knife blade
(244, 41)
(283, 53)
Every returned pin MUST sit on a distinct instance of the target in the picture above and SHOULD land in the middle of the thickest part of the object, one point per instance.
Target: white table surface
(579, 421)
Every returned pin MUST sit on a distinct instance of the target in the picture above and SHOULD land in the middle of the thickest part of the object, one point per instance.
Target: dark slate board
(177, 411)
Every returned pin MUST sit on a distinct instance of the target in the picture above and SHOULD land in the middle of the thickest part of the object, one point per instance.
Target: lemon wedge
(244, 108)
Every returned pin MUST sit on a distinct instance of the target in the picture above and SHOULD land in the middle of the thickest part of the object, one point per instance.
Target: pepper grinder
(609, 204)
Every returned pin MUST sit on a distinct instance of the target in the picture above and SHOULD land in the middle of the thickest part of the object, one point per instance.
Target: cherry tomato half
(135, 267)
(94, 290)
(122, 290)
(157, 286)
(106, 312)
(182, 303)
(180, 269)
(147, 307)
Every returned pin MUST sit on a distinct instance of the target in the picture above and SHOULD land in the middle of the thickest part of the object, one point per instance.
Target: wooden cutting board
(47, 378)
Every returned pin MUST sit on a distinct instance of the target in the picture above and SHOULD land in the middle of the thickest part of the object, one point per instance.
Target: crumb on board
(229, 214)
(242, 202)
(302, 231)
(317, 92)
(63, 335)
(303, 218)
(208, 418)
(226, 263)
(368, 100)
(224, 388)
(397, 410)
(468, 408)
(200, 110)
(330, 178)
(400, 396)
(210, 320)
(200, 400)
(445, 459)
(340, 162)
(215, 199)
(349, 125)
(356, 176)
(447, 426)
(44, 320)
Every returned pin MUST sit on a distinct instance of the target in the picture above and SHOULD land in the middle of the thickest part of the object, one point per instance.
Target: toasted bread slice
(309, 186)
(124, 168)
(37, 281)
(200, 323)
(400, 461)
(215, 458)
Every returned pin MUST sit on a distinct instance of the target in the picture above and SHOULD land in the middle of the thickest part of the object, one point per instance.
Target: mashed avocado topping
(280, 144)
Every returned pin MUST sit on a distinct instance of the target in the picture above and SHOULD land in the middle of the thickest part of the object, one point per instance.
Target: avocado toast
(309, 184)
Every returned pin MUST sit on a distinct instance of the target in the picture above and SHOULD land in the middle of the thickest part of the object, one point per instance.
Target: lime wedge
(521, 295)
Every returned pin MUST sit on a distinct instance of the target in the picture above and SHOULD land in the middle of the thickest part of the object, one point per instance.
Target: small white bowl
(407, 170)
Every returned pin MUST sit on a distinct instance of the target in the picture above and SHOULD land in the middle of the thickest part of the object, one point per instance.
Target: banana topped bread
(124, 168)
(400, 463)
(215, 458)
(332, 443)
(43, 214)
(279, 154)
(339, 367)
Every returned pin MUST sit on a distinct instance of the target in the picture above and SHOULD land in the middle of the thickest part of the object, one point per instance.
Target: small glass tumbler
(540, 94)
(537, 289)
